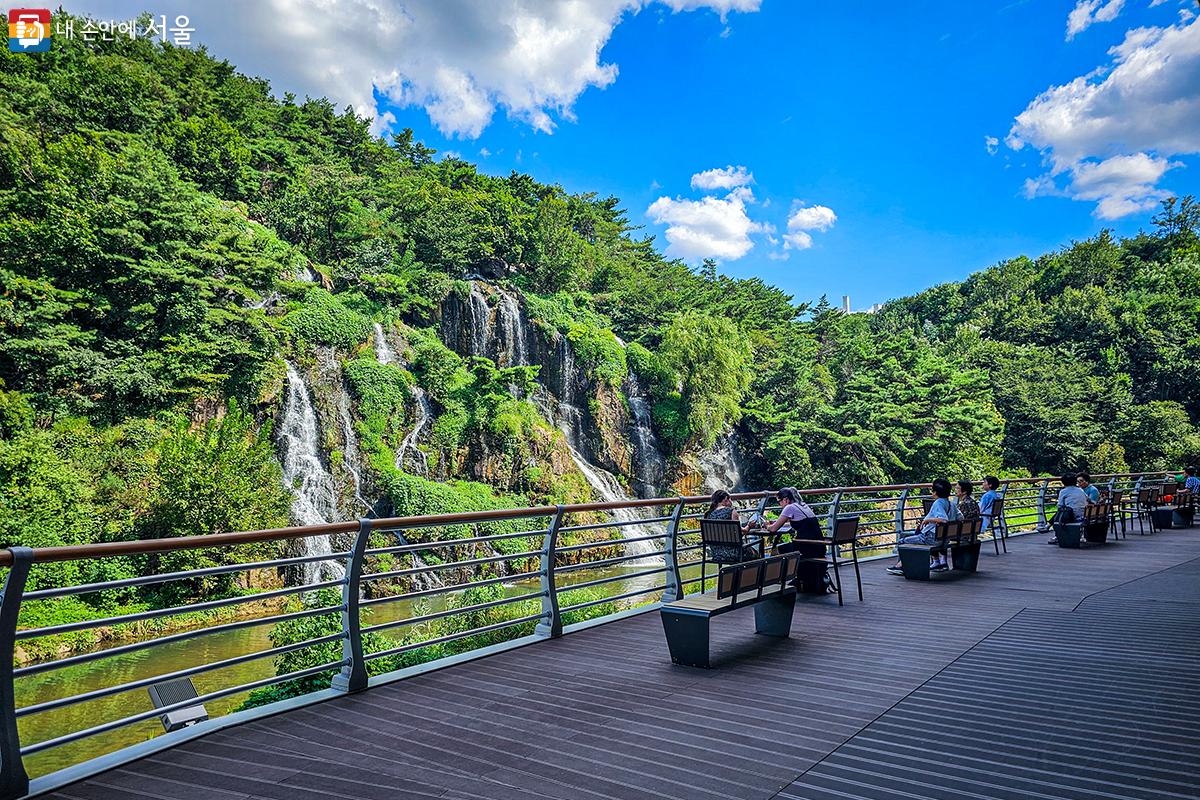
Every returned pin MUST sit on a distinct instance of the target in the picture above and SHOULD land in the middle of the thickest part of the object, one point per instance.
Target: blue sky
(874, 112)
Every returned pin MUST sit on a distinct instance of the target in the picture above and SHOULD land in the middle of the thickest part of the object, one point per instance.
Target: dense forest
(194, 273)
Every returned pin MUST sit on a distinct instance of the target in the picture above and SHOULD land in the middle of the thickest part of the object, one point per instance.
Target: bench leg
(687, 637)
(966, 557)
(774, 617)
(915, 564)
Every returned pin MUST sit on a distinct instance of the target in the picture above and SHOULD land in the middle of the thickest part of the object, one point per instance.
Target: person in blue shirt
(1084, 481)
(1192, 484)
(1072, 503)
(940, 511)
(990, 484)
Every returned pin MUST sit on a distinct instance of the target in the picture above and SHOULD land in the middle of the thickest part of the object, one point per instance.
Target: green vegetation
(152, 198)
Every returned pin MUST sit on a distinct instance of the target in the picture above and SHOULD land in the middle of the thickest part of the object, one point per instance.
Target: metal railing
(470, 584)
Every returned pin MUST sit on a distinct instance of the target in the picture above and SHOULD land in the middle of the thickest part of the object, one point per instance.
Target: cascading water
(649, 466)
(409, 457)
(512, 348)
(481, 321)
(383, 351)
(270, 299)
(569, 419)
(721, 466)
(350, 452)
(303, 473)
(606, 485)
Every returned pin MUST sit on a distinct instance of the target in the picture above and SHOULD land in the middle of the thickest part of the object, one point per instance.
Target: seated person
(940, 511)
(1072, 503)
(1084, 481)
(964, 502)
(801, 520)
(990, 484)
(1191, 483)
(721, 507)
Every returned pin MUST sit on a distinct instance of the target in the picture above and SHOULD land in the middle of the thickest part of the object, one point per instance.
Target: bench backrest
(963, 531)
(754, 576)
(720, 532)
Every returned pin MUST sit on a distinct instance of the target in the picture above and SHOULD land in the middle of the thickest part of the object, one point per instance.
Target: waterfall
(649, 466)
(383, 351)
(350, 450)
(306, 275)
(512, 349)
(410, 455)
(270, 299)
(481, 321)
(569, 419)
(721, 466)
(303, 473)
(605, 484)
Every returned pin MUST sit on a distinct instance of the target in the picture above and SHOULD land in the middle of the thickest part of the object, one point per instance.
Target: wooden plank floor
(1051, 674)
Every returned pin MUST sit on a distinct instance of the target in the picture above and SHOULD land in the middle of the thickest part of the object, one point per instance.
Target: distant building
(845, 304)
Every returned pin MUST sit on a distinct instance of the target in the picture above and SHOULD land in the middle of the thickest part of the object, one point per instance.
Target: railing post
(831, 520)
(551, 625)
(674, 589)
(353, 677)
(762, 505)
(14, 781)
(901, 501)
(1043, 523)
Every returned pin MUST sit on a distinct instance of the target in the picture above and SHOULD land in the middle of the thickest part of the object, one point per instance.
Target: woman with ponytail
(806, 540)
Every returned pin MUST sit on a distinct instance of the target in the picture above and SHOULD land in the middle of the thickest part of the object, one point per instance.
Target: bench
(1092, 529)
(764, 583)
(960, 539)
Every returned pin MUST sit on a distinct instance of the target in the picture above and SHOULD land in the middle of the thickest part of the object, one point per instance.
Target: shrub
(322, 318)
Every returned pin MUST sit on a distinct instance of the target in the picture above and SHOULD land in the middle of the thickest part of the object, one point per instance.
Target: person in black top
(721, 507)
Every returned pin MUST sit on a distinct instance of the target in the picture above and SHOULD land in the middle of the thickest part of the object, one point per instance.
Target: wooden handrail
(45, 555)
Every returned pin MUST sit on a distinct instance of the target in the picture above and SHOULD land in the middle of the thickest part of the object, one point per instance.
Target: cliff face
(566, 436)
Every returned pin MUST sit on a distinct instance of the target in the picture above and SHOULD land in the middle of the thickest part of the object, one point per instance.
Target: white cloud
(992, 144)
(811, 218)
(722, 178)
(1121, 185)
(1087, 12)
(1114, 130)
(460, 60)
(711, 227)
(797, 241)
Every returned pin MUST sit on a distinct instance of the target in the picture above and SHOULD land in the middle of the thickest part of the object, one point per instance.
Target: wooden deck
(1051, 674)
